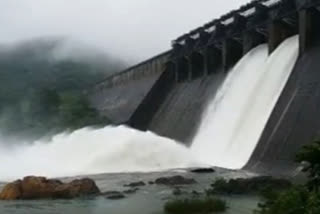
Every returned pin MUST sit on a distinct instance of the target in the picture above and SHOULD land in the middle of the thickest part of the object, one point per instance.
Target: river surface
(148, 199)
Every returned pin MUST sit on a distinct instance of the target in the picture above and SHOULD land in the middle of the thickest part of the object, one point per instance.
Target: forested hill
(41, 85)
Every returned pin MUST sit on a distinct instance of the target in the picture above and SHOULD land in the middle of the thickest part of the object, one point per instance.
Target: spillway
(235, 119)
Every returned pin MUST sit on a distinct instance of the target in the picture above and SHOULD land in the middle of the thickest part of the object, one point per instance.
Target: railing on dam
(222, 42)
(251, 9)
(246, 11)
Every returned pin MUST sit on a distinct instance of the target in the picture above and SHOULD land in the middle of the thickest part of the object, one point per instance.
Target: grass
(195, 206)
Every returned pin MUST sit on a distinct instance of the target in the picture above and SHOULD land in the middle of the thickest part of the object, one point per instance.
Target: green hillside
(41, 92)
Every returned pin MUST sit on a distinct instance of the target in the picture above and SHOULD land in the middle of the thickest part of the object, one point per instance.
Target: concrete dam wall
(180, 113)
(170, 98)
(118, 96)
(295, 120)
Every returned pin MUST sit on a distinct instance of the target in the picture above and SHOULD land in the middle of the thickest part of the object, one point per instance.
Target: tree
(75, 112)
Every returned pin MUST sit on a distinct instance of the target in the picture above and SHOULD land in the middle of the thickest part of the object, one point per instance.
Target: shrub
(310, 155)
(313, 205)
(221, 185)
(291, 201)
(195, 206)
(269, 193)
(257, 185)
(296, 200)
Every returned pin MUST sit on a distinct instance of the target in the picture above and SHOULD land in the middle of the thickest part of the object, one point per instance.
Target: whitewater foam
(88, 151)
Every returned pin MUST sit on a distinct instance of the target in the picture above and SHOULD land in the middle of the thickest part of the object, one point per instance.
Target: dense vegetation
(299, 199)
(296, 200)
(195, 206)
(263, 185)
(310, 156)
(41, 88)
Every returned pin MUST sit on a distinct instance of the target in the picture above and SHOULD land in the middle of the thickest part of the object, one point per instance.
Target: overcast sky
(135, 29)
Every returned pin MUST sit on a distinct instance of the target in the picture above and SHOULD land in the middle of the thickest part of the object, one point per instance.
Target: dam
(170, 93)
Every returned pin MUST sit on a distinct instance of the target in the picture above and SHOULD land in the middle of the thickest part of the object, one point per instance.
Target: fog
(132, 30)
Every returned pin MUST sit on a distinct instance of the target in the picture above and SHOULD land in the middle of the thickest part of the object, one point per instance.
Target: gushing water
(234, 121)
(88, 151)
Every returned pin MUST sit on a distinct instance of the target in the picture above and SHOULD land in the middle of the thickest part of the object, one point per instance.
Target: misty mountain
(41, 85)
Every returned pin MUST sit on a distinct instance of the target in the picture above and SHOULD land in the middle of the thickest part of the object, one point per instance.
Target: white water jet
(234, 121)
(88, 151)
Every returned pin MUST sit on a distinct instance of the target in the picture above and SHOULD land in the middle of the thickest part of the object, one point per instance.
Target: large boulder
(42, 188)
(11, 191)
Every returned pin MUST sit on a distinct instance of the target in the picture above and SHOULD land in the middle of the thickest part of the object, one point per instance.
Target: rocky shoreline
(134, 189)
(34, 187)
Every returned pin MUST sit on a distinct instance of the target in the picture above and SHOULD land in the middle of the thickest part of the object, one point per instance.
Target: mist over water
(227, 136)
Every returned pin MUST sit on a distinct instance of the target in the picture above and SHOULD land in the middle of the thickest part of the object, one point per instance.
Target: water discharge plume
(234, 121)
(87, 151)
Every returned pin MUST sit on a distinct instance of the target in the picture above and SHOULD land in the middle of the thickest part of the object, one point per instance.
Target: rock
(11, 191)
(113, 195)
(203, 170)
(77, 188)
(131, 191)
(174, 180)
(42, 188)
(38, 187)
(135, 184)
(150, 182)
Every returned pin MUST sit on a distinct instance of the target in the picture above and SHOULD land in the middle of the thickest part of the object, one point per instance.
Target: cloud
(131, 29)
